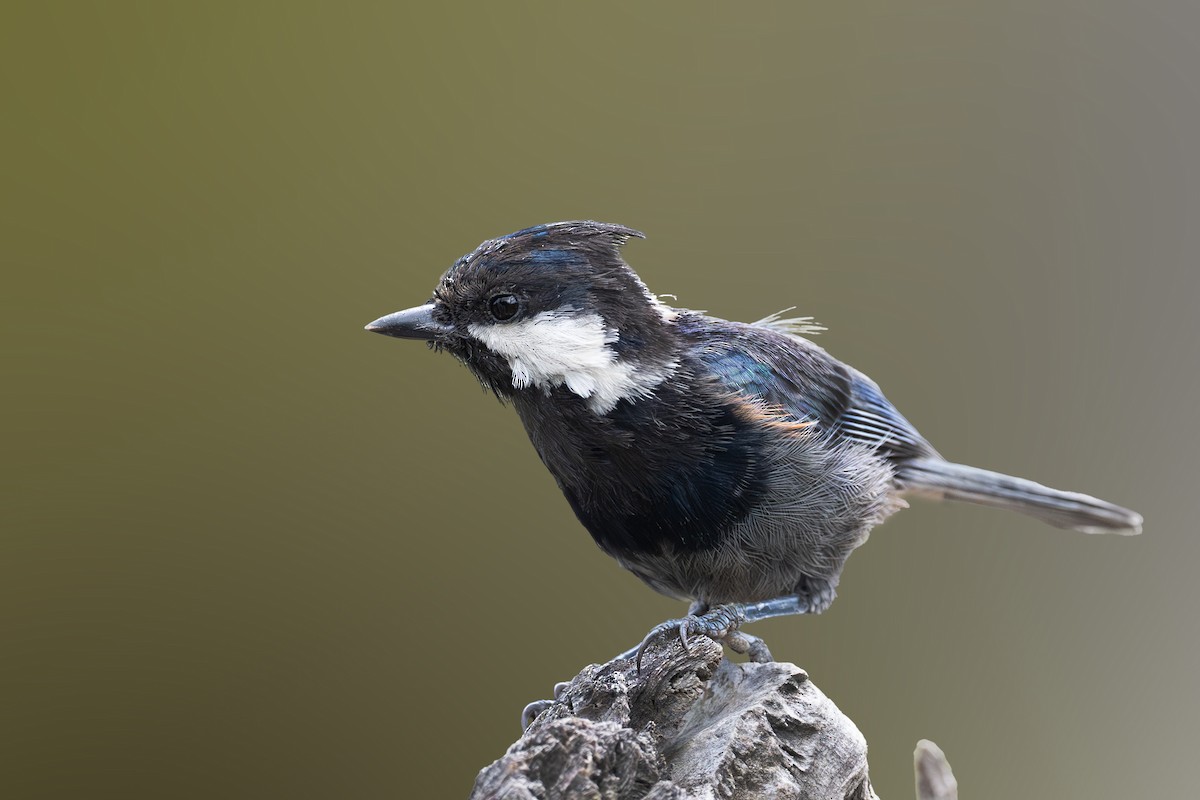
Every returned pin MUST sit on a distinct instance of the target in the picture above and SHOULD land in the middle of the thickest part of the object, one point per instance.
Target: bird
(732, 465)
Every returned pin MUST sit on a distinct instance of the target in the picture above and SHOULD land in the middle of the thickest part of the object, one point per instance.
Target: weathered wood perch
(694, 725)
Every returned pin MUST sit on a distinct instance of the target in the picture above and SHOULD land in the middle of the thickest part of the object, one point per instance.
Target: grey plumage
(822, 500)
(940, 479)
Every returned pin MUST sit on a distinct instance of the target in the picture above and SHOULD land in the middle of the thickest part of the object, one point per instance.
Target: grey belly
(821, 504)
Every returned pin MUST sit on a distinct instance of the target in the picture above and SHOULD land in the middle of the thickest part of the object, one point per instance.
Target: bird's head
(548, 307)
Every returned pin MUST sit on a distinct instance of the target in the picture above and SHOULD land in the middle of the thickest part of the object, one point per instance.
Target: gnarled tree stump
(694, 725)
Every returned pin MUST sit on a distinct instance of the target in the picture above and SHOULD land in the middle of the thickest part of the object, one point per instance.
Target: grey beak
(411, 323)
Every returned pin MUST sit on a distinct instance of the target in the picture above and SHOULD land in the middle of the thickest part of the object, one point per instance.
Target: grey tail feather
(934, 476)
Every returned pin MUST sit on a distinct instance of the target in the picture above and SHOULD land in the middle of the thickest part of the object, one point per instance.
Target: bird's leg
(721, 623)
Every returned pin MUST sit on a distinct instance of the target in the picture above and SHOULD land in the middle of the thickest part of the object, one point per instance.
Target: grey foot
(719, 623)
(749, 645)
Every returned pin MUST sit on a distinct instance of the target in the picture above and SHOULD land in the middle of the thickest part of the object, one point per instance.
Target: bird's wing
(795, 375)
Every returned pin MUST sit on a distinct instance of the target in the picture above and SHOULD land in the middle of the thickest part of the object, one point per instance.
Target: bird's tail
(939, 478)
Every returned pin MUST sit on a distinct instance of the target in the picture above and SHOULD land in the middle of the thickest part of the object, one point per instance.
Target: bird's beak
(411, 323)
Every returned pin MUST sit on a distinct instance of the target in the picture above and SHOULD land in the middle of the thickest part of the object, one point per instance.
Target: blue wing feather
(797, 376)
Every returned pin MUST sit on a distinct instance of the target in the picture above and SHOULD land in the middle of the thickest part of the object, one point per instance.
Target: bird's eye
(504, 306)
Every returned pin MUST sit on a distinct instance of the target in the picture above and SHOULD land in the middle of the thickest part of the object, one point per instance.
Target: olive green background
(249, 550)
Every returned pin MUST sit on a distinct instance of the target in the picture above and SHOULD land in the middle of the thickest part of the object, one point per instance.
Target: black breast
(672, 471)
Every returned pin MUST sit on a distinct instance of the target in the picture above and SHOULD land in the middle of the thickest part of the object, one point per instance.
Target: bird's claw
(531, 711)
(719, 623)
(657, 630)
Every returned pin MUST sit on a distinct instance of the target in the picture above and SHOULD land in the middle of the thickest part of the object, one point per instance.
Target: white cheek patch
(566, 348)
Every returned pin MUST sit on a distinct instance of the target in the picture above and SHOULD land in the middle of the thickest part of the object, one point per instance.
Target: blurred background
(249, 550)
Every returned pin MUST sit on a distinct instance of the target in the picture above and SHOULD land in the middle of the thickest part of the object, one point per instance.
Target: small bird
(729, 464)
